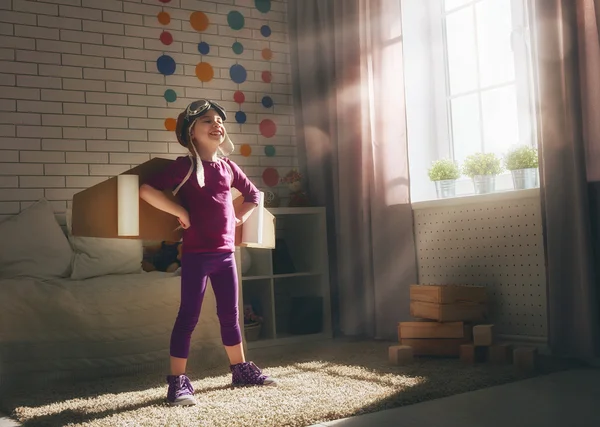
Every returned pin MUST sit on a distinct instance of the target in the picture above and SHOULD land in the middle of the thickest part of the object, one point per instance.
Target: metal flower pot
(484, 184)
(445, 188)
(525, 178)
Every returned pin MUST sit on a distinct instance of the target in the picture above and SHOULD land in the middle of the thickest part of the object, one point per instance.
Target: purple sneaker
(248, 373)
(180, 391)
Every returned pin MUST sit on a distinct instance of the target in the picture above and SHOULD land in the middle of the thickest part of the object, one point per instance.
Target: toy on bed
(165, 256)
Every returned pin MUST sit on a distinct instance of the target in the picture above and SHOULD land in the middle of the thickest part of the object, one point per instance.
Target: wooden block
(500, 354)
(448, 347)
(400, 354)
(448, 294)
(483, 335)
(429, 329)
(471, 354)
(466, 312)
(524, 358)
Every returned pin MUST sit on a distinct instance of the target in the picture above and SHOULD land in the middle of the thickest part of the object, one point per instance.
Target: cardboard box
(448, 303)
(449, 347)
(429, 329)
(95, 212)
(466, 312)
(470, 353)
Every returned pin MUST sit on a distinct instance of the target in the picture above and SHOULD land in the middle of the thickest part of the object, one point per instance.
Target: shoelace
(184, 385)
(255, 370)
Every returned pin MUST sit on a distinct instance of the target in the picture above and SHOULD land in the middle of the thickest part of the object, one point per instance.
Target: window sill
(477, 199)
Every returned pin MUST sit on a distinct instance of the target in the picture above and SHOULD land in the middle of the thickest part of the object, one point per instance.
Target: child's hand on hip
(238, 222)
(184, 219)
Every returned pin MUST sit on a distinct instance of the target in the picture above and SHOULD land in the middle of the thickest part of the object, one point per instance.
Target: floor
(569, 398)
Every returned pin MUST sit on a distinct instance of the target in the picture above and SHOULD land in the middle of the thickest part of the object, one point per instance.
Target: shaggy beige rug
(317, 384)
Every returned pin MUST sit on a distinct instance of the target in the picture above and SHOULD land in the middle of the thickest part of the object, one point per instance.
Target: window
(468, 83)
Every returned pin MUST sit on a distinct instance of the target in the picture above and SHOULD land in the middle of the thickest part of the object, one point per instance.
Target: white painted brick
(80, 36)
(42, 181)
(162, 113)
(5, 4)
(186, 81)
(123, 111)
(84, 181)
(141, 9)
(39, 107)
(41, 82)
(7, 54)
(105, 28)
(151, 21)
(62, 95)
(128, 158)
(150, 44)
(276, 161)
(7, 130)
(82, 61)
(97, 74)
(18, 67)
(171, 156)
(20, 118)
(63, 145)
(84, 109)
(194, 5)
(7, 29)
(217, 95)
(161, 136)
(107, 122)
(7, 80)
(87, 158)
(67, 2)
(66, 169)
(108, 146)
(17, 43)
(105, 98)
(127, 134)
(10, 156)
(143, 55)
(11, 143)
(63, 120)
(17, 17)
(104, 51)
(85, 85)
(38, 57)
(35, 7)
(21, 194)
(58, 46)
(80, 12)
(42, 157)
(36, 32)
(121, 18)
(224, 84)
(149, 101)
(14, 169)
(156, 124)
(108, 170)
(144, 32)
(59, 22)
(62, 194)
(105, 4)
(134, 88)
(84, 133)
(275, 140)
(8, 105)
(9, 182)
(132, 76)
(60, 71)
(124, 41)
(125, 64)
(145, 147)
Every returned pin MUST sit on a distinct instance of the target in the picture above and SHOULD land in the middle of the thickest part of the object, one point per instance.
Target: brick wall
(82, 98)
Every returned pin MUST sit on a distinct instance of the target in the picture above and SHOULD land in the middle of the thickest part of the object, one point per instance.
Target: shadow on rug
(322, 383)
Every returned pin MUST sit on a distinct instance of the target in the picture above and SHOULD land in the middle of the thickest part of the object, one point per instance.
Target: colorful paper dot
(166, 65)
(238, 48)
(163, 18)
(203, 48)
(170, 124)
(267, 101)
(245, 150)
(270, 177)
(267, 54)
(204, 72)
(267, 76)
(265, 31)
(263, 6)
(199, 21)
(235, 20)
(166, 38)
(170, 95)
(268, 128)
(239, 97)
(240, 117)
(269, 150)
(238, 73)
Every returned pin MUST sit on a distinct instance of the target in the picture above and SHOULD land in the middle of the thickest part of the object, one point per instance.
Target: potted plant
(252, 323)
(482, 168)
(444, 174)
(522, 162)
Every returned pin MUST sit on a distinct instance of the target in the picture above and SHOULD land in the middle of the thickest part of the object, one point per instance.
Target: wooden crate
(430, 329)
(448, 294)
(448, 347)
(467, 312)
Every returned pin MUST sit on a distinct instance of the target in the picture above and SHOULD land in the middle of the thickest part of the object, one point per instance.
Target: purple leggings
(195, 269)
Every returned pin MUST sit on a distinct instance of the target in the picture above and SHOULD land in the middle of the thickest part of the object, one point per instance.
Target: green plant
(444, 169)
(482, 164)
(523, 157)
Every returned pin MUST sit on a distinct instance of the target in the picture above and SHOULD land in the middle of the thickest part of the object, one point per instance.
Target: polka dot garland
(203, 48)
(170, 95)
(269, 151)
(245, 150)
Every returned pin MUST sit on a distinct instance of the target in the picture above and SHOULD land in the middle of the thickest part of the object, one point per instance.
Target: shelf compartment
(259, 294)
(259, 260)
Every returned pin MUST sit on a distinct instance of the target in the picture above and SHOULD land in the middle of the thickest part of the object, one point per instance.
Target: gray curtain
(564, 124)
(352, 147)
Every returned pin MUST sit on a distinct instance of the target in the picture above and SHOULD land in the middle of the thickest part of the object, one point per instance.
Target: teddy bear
(165, 256)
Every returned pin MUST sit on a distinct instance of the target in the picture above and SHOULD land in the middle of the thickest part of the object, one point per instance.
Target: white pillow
(33, 244)
(96, 256)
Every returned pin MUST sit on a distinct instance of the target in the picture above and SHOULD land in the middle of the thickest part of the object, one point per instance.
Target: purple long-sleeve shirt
(212, 216)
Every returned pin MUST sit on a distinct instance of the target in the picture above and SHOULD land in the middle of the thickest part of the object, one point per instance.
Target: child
(208, 220)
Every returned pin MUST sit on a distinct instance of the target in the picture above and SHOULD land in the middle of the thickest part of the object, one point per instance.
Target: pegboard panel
(497, 244)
